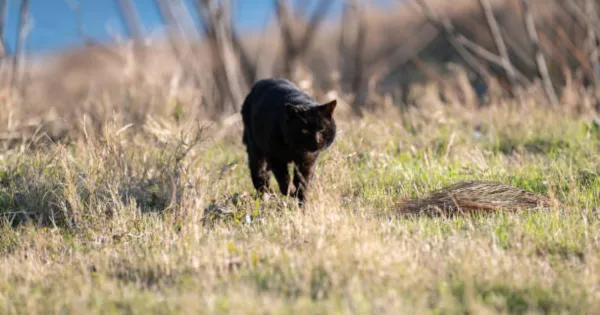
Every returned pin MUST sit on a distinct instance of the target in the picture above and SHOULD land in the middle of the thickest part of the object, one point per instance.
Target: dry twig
(444, 24)
(539, 55)
(217, 26)
(295, 49)
(3, 6)
(22, 33)
(500, 45)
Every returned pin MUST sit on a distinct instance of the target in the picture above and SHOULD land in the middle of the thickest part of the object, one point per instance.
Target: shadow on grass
(508, 146)
(518, 300)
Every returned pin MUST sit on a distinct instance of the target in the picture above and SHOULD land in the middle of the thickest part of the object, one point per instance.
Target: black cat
(284, 125)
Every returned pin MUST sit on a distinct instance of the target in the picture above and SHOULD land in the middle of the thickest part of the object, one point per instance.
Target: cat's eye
(304, 131)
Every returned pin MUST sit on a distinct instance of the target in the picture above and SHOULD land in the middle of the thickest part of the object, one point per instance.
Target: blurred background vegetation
(66, 59)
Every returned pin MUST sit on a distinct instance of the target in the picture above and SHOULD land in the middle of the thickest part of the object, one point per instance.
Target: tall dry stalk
(131, 19)
(539, 54)
(134, 25)
(22, 32)
(217, 26)
(3, 7)
(496, 34)
(352, 50)
(295, 47)
(445, 25)
(592, 24)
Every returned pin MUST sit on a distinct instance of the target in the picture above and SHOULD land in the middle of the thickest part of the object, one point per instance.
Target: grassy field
(115, 223)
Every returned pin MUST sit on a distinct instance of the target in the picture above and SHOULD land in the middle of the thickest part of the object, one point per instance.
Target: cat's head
(310, 128)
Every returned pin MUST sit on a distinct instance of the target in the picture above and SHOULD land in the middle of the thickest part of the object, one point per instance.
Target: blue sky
(55, 24)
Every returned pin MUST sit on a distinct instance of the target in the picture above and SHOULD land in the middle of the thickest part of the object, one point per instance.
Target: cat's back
(274, 92)
(273, 83)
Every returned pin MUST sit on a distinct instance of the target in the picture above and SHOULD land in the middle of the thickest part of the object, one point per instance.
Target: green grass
(114, 223)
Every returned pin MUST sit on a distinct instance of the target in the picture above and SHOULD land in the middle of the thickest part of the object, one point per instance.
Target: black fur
(284, 125)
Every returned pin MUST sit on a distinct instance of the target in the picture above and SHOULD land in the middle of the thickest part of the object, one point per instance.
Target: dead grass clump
(82, 184)
(475, 196)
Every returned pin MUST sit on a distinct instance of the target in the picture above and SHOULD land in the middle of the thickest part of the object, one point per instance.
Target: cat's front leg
(303, 173)
(282, 175)
(259, 172)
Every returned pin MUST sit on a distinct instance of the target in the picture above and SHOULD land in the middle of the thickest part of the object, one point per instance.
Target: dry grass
(113, 222)
(475, 196)
(61, 87)
(144, 206)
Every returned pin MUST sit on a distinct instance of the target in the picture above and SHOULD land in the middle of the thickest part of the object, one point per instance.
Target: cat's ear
(328, 108)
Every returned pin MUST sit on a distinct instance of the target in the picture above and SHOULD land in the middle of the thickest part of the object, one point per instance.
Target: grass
(115, 222)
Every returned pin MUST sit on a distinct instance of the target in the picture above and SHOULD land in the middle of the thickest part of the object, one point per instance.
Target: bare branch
(295, 49)
(22, 33)
(352, 47)
(518, 50)
(3, 5)
(314, 23)
(185, 22)
(132, 19)
(168, 17)
(166, 12)
(290, 52)
(489, 56)
(539, 55)
(446, 26)
(283, 18)
(592, 21)
(248, 68)
(402, 55)
(579, 55)
(500, 45)
(578, 14)
(217, 24)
